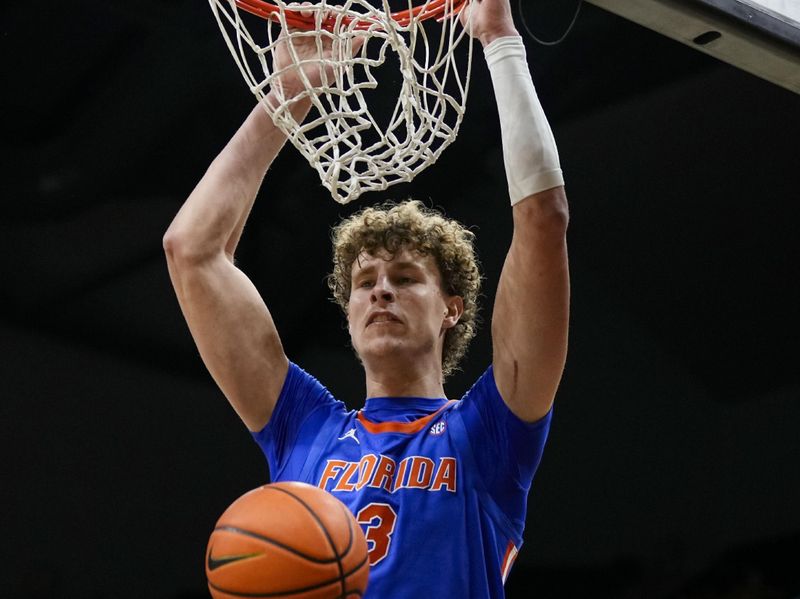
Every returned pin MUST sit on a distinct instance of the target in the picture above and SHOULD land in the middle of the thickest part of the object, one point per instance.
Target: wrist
(488, 37)
(280, 95)
(299, 104)
(529, 149)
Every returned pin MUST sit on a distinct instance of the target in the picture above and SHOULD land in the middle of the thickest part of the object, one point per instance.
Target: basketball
(287, 539)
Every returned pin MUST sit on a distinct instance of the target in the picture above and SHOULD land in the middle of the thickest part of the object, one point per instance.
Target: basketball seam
(349, 529)
(320, 585)
(275, 543)
(350, 542)
(327, 534)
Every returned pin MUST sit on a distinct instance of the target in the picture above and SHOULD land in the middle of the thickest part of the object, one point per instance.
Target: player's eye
(366, 284)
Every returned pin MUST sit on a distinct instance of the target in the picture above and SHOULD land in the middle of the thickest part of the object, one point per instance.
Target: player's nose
(382, 291)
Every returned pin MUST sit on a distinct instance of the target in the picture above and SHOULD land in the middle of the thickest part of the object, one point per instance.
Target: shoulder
(484, 402)
(505, 447)
(301, 395)
(298, 379)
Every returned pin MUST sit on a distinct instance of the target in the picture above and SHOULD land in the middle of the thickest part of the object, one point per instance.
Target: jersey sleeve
(302, 402)
(507, 450)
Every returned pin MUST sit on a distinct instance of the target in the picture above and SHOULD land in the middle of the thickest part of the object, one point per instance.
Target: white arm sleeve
(529, 150)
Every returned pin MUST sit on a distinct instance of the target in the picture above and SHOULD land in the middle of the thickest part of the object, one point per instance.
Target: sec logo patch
(438, 428)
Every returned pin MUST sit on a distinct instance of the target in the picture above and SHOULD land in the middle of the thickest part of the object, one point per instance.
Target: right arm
(229, 321)
(227, 317)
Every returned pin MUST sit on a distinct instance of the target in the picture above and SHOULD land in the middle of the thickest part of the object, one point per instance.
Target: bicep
(234, 333)
(531, 313)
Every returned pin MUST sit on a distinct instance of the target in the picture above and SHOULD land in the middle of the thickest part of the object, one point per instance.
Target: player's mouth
(379, 318)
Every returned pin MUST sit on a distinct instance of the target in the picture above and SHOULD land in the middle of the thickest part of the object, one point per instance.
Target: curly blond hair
(395, 226)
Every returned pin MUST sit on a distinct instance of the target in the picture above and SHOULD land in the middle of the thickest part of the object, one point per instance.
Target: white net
(335, 55)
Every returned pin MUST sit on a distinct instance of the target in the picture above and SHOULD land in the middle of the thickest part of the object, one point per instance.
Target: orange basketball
(288, 540)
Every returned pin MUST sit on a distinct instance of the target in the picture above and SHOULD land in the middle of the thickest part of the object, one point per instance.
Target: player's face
(398, 308)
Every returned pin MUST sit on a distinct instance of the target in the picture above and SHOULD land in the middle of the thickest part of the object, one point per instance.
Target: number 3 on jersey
(379, 520)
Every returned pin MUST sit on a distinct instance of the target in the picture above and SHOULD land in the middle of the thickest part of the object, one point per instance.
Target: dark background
(671, 469)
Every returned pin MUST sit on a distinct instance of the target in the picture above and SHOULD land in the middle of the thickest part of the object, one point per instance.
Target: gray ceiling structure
(674, 444)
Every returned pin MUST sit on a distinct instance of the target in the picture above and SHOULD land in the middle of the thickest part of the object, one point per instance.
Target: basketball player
(439, 487)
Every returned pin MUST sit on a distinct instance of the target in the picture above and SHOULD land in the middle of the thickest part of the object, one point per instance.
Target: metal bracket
(754, 41)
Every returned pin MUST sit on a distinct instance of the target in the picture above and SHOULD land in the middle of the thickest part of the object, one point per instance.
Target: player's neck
(406, 381)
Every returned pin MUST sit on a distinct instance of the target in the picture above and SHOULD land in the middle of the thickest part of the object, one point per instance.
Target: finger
(358, 42)
(299, 8)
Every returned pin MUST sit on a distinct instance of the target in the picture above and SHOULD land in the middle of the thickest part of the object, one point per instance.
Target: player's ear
(454, 305)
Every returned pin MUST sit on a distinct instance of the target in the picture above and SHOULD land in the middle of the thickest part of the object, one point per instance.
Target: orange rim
(436, 9)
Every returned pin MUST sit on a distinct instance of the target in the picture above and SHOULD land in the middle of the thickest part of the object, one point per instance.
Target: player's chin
(381, 346)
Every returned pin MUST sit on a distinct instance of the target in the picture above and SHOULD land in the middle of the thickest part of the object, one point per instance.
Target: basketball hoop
(352, 149)
(267, 10)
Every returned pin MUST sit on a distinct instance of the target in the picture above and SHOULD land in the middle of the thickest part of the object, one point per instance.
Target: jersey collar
(399, 414)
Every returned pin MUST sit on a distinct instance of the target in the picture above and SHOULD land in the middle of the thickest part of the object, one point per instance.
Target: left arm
(531, 312)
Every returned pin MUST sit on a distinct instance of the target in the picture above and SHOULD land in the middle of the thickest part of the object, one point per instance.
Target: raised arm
(227, 317)
(229, 321)
(531, 311)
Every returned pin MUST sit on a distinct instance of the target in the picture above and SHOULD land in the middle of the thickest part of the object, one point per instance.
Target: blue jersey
(439, 487)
